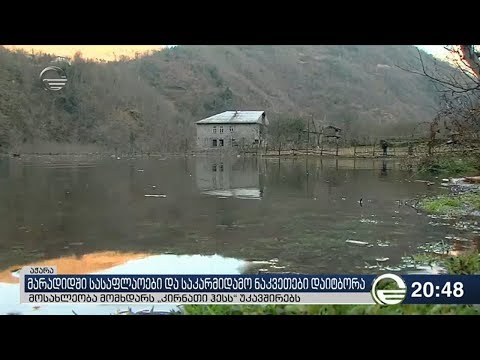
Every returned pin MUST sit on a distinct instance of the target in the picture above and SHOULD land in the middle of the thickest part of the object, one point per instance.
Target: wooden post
(317, 133)
(308, 135)
(321, 143)
(336, 150)
(373, 149)
(355, 150)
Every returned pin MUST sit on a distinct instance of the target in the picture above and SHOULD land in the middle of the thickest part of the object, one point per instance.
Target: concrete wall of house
(242, 133)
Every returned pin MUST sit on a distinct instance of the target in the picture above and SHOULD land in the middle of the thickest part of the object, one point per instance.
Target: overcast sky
(110, 52)
(435, 50)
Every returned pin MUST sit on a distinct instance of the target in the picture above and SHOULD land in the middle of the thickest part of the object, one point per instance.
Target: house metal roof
(235, 117)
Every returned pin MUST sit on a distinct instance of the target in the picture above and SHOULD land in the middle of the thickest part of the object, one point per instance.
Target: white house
(232, 128)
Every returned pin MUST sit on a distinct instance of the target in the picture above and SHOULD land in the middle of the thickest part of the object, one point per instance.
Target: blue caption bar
(197, 283)
(411, 289)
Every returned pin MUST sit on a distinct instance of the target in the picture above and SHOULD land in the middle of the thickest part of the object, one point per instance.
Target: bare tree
(458, 83)
(462, 77)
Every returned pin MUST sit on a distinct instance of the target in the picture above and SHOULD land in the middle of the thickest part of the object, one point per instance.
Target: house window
(214, 142)
(231, 129)
(220, 142)
(256, 142)
(214, 129)
(221, 129)
(214, 167)
(221, 167)
(234, 142)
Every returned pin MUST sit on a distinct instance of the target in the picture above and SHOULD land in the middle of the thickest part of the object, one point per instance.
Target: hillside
(150, 104)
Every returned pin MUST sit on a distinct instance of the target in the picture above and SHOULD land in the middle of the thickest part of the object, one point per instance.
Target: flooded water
(207, 215)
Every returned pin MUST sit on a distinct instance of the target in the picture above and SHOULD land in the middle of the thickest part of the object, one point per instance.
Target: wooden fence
(368, 151)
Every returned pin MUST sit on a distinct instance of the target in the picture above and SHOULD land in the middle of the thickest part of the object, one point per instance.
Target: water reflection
(229, 177)
(308, 209)
(82, 264)
(114, 263)
(383, 172)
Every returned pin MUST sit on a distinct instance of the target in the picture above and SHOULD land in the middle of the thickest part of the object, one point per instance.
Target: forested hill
(150, 103)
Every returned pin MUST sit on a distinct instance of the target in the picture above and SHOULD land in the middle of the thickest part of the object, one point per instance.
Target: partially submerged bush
(449, 165)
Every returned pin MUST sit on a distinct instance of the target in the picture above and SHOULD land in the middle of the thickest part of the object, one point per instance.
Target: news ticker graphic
(44, 285)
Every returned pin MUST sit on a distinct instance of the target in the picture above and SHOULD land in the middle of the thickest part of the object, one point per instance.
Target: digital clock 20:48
(428, 289)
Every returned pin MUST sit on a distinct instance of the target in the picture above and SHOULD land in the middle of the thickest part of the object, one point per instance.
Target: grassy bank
(452, 204)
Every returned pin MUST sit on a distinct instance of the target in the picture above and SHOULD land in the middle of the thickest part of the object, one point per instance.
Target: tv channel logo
(53, 78)
(389, 296)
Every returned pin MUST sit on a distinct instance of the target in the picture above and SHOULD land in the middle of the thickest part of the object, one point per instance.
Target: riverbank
(441, 163)
(95, 156)
(454, 204)
(463, 198)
